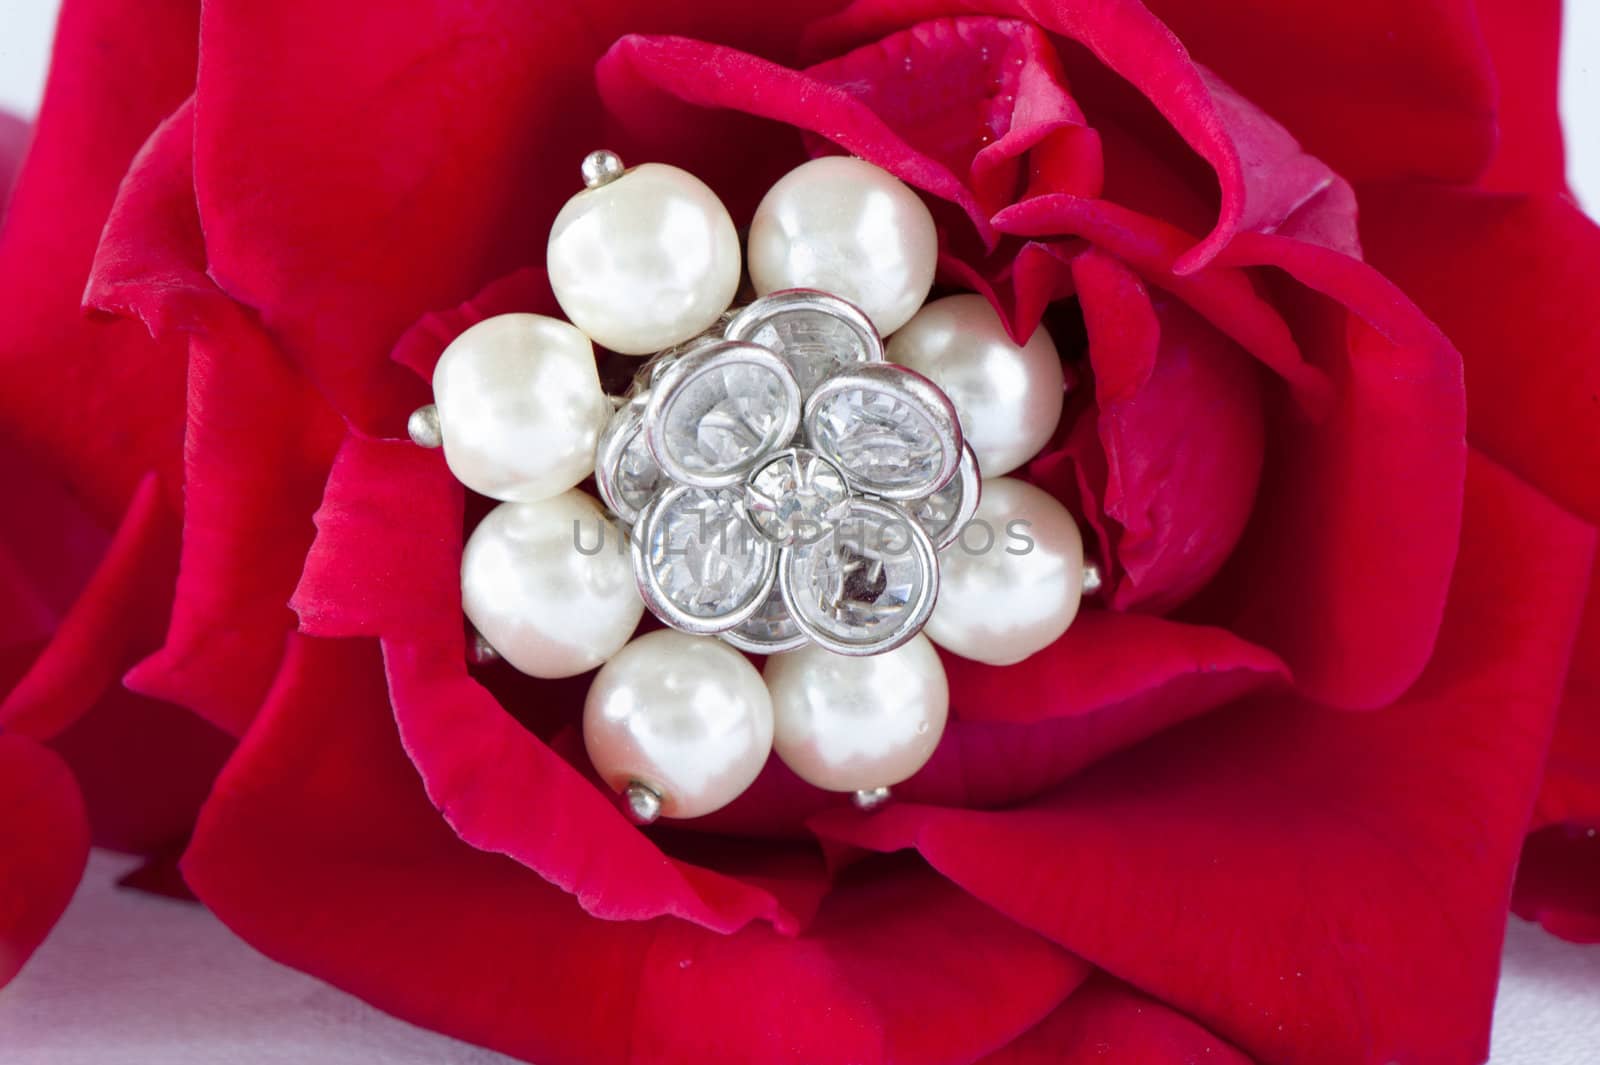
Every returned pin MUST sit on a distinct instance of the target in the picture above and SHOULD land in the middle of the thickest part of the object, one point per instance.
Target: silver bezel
(920, 610)
(751, 318)
(910, 387)
(661, 605)
(970, 478)
(690, 367)
(624, 426)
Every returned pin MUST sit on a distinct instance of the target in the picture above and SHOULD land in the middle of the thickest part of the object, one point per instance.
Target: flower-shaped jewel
(786, 484)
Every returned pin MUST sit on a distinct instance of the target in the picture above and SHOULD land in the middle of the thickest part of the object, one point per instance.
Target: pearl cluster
(734, 414)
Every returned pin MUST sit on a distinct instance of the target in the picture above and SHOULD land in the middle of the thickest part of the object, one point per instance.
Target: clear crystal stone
(943, 513)
(867, 586)
(882, 440)
(814, 343)
(723, 419)
(704, 559)
(769, 630)
(796, 495)
(637, 476)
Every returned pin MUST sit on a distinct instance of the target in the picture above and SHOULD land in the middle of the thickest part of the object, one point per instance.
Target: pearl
(685, 716)
(549, 585)
(858, 723)
(520, 407)
(423, 427)
(1011, 584)
(644, 260)
(1009, 398)
(847, 228)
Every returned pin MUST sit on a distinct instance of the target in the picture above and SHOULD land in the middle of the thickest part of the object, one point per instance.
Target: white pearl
(1011, 584)
(1009, 397)
(645, 261)
(845, 227)
(550, 585)
(520, 406)
(855, 723)
(686, 716)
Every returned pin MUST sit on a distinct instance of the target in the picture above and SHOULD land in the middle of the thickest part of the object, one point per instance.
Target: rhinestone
(625, 472)
(770, 630)
(701, 567)
(718, 410)
(943, 514)
(890, 429)
(866, 588)
(796, 495)
(817, 334)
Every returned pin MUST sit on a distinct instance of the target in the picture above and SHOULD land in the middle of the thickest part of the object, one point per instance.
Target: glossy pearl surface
(686, 716)
(520, 408)
(1011, 584)
(1009, 397)
(854, 231)
(547, 607)
(857, 723)
(644, 261)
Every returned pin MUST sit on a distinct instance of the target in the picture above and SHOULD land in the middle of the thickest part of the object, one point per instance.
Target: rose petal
(1335, 883)
(1107, 1021)
(1558, 882)
(320, 848)
(1180, 422)
(405, 157)
(44, 844)
(1264, 176)
(1347, 503)
(100, 403)
(1532, 377)
(1524, 42)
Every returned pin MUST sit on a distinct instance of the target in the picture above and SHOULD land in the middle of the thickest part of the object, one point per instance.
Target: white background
(128, 979)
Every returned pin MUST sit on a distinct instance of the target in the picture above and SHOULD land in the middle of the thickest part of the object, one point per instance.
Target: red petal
(1311, 885)
(977, 94)
(44, 843)
(1512, 280)
(257, 449)
(1524, 41)
(1105, 1021)
(1347, 503)
(405, 157)
(320, 848)
(119, 68)
(1180, 422)
(1558, 882)
(1263, 175)
(119, 615)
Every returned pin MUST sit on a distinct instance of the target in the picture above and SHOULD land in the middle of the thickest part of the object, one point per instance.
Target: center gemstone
(796, 496)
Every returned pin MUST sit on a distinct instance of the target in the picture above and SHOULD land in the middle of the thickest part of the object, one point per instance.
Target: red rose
(1263, 802)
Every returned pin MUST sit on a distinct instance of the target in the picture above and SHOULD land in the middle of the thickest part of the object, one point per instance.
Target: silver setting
(718, 410)
(700, 566)
(868, 587)
(741, 495)
(944, 513)
(770, 630)
(815, 333)
(644, 803)
(423, 427)
(601, 168)
(869, 799)
(893, 432)
(796, 495)
(625, 473)
(1093, 580)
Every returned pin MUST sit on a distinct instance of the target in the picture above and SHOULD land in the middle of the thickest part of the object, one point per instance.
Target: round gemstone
(718, 411)
(865, 588)
(770, 630)
(625, 472)
(701, 566)
(943, 514)
(816, 334)
(795, 496)
(890, 430)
